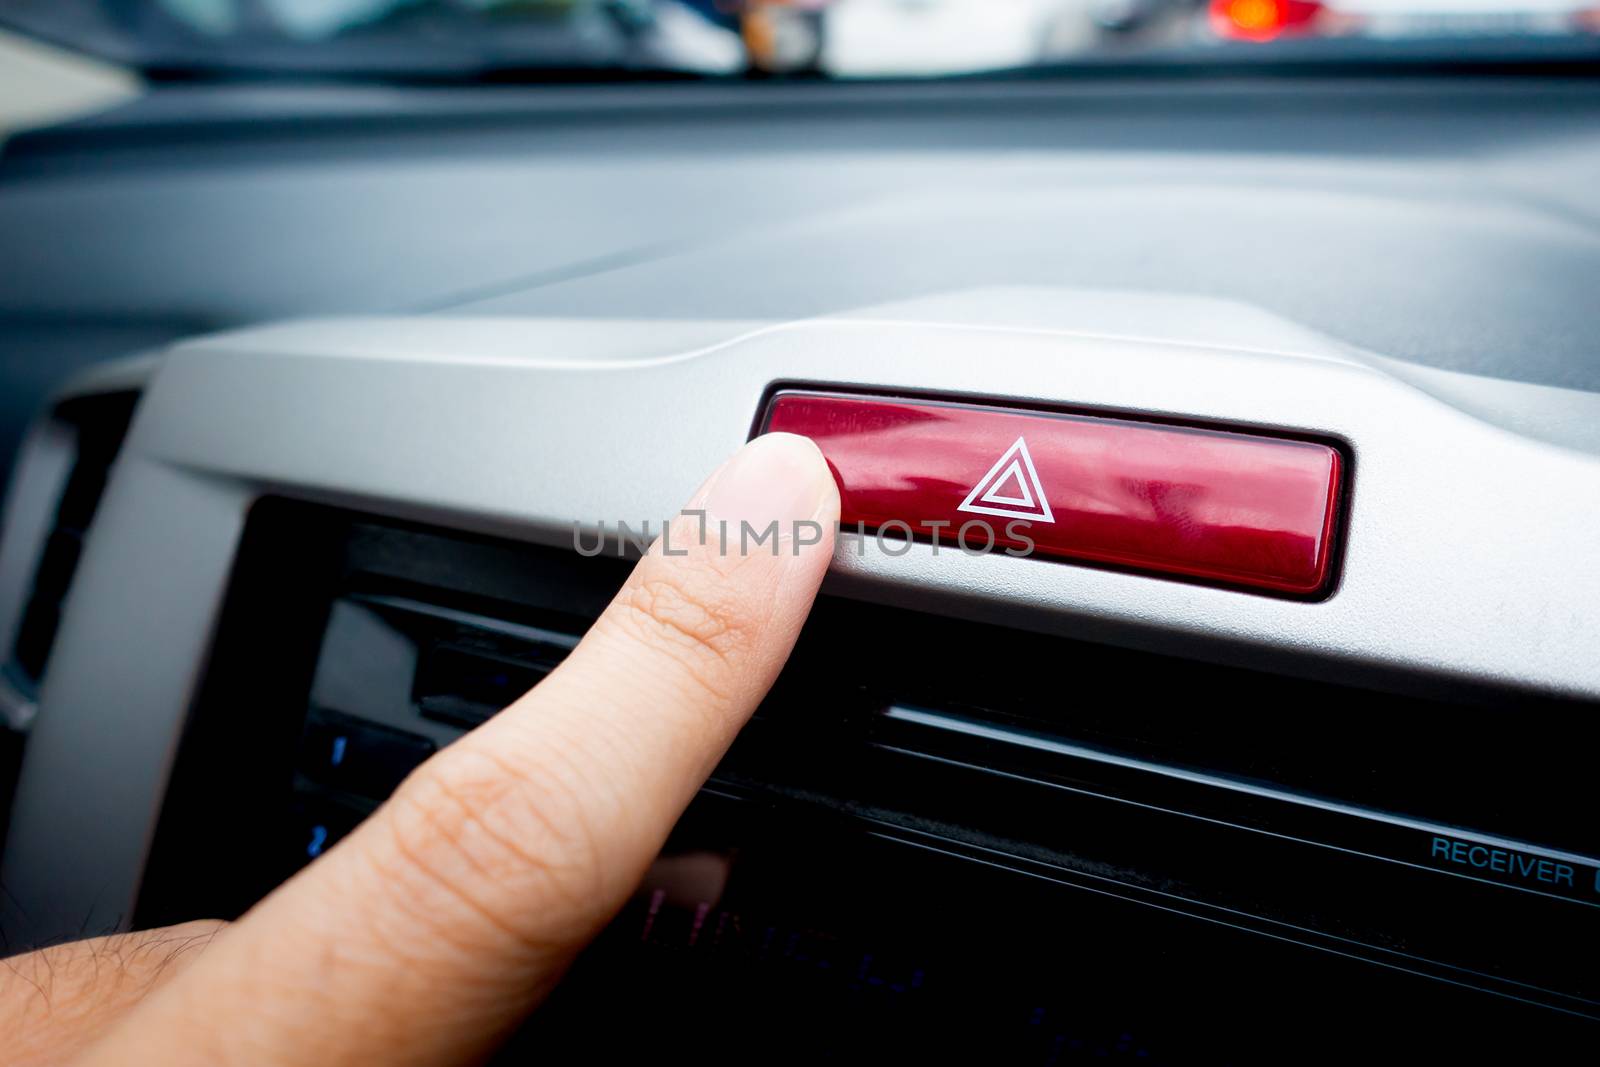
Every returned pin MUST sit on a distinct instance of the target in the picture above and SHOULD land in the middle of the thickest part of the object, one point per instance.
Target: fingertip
(774, 478)
(810, 463)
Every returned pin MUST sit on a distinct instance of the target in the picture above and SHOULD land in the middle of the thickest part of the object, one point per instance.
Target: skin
(427, 935)
(58, 1001)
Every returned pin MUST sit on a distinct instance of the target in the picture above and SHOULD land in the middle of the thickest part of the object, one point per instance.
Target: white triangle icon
(1011, 489)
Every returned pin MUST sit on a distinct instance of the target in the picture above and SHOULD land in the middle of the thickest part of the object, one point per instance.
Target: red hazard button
(1215, 505)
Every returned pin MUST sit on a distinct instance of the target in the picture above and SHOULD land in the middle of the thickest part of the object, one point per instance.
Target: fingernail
(779, 477)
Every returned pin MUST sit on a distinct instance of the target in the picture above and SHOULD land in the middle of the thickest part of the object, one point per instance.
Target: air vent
(98, 424)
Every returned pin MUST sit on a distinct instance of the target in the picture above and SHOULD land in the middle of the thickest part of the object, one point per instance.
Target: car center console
(967, 833)
(1029, 809)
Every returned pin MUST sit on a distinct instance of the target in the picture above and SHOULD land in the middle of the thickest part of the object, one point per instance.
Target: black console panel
(937, 839)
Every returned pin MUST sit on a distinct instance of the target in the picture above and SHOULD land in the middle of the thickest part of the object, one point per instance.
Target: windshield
(535, 39)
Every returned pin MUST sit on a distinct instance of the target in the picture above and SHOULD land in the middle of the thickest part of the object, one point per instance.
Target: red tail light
(1263, 20)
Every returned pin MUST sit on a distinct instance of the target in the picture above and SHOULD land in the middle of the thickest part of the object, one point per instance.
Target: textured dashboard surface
(1448, 222)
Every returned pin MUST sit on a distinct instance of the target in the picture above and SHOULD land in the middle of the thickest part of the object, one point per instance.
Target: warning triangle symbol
(1011, 489)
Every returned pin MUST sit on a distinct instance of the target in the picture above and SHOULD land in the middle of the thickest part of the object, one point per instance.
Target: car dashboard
(1029, 809)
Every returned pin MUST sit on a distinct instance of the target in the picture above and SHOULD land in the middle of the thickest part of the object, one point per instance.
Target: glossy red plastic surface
(1233, 508)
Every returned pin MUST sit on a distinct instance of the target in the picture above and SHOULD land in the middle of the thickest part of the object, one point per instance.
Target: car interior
(336, 394)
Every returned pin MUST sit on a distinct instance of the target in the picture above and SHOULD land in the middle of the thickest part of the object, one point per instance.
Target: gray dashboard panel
(1469, 558)
(1427, 264)
(1451, 221)
(1448, 221)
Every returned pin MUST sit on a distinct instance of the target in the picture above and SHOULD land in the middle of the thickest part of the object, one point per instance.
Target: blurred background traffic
(551, 39)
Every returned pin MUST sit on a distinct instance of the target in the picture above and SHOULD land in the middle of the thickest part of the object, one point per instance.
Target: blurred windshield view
(834, 38)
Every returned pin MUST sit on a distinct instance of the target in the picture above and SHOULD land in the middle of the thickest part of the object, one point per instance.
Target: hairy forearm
(56, 1001)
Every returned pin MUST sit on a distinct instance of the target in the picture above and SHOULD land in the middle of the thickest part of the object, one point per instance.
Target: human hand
(429, 933)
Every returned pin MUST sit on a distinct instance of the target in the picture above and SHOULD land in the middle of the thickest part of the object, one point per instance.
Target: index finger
(426, 935)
